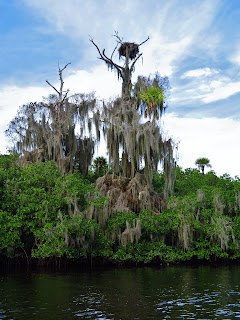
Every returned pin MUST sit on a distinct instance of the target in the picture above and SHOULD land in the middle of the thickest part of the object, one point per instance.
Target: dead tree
(130, 52)
(47, 131)
(63, 127)
(60, 91)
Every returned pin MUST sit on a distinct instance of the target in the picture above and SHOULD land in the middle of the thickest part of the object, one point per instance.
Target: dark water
(144, 293)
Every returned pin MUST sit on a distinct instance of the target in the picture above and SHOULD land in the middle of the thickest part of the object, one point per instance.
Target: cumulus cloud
(199, 72)
(174, 28)
(100, 79)
(175, 33)
(204, 85)
(222, 91)
(208, 137)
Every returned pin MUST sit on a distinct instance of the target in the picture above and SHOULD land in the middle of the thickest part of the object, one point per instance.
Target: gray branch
(143, 41)
(132, 66)
(53, 87)
(106, 59)
(60, 92)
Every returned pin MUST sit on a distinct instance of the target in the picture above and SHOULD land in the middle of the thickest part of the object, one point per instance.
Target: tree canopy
(55, 130)
(202, 163)
(132, 142)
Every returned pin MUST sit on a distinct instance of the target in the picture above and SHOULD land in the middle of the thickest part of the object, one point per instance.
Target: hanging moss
(222, 231)
(131, 234)
(83, 155)
(126, 194)
(185, 232)
(139, 141)
(218, 203)
(47, 131)
(96, 119)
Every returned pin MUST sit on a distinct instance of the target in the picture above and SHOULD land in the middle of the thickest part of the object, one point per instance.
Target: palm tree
(100, 165)
(202, 163)
(153, 97)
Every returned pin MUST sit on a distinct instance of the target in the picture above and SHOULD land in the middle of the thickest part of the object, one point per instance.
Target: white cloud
(208, 137)
(161, 55)
(174, 28)
(204, 85)
(100, 79)
(221, 92)
(177, 31)
(199, 73)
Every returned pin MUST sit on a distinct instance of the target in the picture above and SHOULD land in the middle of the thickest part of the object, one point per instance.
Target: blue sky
(196, 43)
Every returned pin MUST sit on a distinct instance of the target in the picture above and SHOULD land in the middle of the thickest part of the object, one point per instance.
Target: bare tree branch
(119, 40)
(64, 66)
(119, 68)
(106, 59)
(52, 87)
(143, 41)
(132, 66)
(114, 51)
(91, 39)
(65, 96)
(61, 79)
(129, 51)
(60, 92)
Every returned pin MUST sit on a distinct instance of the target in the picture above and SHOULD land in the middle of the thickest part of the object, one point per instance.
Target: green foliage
(73, 237)
(153, 97)
(43, 214)
(9, 233)
(190, 181)
(158, 181)
(118, 221)
(98, 168)
(40, 212)
(100, 165)
(201, 222)
(155, 226)
(150, 252)
(202, 163)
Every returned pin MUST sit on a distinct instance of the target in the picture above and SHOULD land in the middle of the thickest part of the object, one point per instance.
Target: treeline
(46, 215)
(56, 206)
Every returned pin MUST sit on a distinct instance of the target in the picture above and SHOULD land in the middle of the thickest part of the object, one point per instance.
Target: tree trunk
(126, 84)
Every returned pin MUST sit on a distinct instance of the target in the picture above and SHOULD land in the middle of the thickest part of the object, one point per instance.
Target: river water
(140, 293)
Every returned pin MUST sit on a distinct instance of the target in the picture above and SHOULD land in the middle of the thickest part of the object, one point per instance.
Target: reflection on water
(143, 293)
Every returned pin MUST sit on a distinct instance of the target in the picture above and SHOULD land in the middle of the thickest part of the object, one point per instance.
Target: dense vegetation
(57, 204)
(44, 214)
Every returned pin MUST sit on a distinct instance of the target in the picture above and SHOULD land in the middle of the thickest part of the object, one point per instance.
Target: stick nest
(131, 47)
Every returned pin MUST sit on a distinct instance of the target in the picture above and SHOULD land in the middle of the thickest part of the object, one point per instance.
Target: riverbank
(64, 265)
(48, 219)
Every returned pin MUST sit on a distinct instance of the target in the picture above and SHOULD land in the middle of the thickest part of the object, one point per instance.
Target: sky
(196, 43)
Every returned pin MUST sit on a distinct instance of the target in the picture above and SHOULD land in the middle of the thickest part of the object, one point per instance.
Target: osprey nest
(132, 49)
